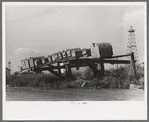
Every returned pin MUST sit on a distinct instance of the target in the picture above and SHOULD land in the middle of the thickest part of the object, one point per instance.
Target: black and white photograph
(74, 59)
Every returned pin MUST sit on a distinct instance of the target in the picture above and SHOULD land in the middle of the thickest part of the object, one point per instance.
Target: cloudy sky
(40, 30)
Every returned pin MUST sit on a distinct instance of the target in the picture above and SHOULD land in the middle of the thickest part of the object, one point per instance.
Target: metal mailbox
(23, 64)
(69, 53)
(60, 55)
(27, 64)
(77, 53)
(64, 53)
(49, 58)
(44, 60)
(54, 56)
(35, 61)
(103, 50)
(86, 52)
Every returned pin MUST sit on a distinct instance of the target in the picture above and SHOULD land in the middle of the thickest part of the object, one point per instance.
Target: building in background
(8, 70)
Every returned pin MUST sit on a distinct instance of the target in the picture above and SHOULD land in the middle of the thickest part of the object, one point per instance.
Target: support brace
(55, 73)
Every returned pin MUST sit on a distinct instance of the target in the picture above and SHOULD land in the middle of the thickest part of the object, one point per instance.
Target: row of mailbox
(70, 53)
(97, 50)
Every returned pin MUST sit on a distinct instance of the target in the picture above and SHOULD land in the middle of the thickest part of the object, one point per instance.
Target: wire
(50, 11)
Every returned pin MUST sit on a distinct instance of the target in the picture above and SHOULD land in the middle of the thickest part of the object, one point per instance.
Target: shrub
(114, 78)
(121, 73)
(32, 80)
(117, 78)
(10, 79)
(86, 75)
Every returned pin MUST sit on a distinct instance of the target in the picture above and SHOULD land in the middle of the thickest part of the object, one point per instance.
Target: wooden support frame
(81, 62)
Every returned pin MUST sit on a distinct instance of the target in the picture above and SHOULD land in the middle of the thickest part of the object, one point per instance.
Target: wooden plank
(99, 61)
(121, 56)
(117, 61)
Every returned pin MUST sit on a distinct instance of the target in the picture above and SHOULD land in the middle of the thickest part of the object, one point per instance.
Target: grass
(113, 78)
(32, 80)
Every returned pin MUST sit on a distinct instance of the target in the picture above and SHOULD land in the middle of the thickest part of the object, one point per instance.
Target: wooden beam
(68, 71)
(117, 61)
(132, 61)
(121, 56)
(59, 69)
(55, 73)
(101, 72)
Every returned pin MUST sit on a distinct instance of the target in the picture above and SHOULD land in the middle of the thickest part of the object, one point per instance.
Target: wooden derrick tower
(132, 46)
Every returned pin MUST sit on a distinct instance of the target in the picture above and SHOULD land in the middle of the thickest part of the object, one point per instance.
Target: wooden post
(68, 71)
(59, 69)
(38, 71)
(102, 68)
(132, 62)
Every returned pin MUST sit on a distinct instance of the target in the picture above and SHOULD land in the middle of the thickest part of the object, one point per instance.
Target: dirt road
(38, 94)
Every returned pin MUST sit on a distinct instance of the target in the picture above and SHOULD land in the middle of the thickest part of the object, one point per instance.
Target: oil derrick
(132, 46)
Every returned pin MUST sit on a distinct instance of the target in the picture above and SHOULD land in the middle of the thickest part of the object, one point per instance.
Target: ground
(73, 94)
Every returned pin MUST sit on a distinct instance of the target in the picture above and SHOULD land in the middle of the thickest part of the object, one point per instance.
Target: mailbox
(64, 53)
(44, 60)
(55, 56)
(35, 61)
(49, 58)
(86, 52)
(60, 55)
(103, 50)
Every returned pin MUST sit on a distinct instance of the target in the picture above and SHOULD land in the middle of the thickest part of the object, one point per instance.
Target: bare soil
(73, 94)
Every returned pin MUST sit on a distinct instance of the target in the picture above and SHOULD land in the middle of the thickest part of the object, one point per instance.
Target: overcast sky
(42, 30)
